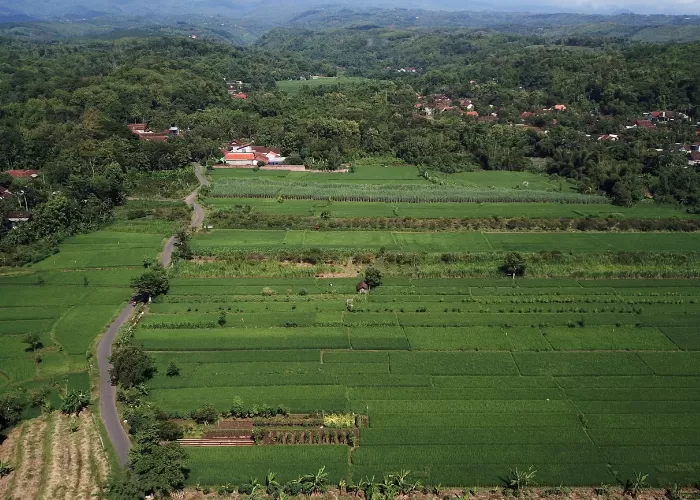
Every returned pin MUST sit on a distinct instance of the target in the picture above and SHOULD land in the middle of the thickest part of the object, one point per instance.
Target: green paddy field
(462, 380)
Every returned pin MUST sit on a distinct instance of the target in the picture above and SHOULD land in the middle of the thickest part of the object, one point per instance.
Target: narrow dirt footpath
(108, 393)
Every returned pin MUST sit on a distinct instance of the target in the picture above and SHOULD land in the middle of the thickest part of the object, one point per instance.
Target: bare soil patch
(8, 453)
(30, 466)
(344, 274)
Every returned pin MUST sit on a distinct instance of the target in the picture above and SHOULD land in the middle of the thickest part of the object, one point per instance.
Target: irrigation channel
(108, 393)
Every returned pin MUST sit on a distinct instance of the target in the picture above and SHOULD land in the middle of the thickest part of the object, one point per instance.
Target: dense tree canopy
(131, 366)
(64, 110)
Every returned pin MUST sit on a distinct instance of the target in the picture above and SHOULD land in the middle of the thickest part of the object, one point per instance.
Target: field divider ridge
(584, 427)
(483, 234)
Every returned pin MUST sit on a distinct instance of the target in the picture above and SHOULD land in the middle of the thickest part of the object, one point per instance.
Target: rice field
(462, 379)
(443, 210)
(222, 241)
(391, 192)
(294, 86)
(67, 300)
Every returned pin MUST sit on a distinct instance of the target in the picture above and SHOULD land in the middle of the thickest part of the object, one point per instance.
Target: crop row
(394, 193)
(415, 338)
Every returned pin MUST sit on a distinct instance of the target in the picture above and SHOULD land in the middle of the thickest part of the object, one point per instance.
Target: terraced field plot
(67, 300)
(438, 210)
(462, 380)
(294, 86)
(223, 239)
(54, 457)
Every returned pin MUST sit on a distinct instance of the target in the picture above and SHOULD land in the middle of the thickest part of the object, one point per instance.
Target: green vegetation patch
(212, 466)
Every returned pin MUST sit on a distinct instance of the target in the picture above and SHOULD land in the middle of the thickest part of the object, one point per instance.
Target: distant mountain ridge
(14, 10)
(244, 22)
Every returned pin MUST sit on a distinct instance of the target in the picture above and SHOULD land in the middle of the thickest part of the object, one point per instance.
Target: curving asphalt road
(108, 393)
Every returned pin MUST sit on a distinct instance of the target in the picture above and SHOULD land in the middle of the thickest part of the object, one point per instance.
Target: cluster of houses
(557, 108)
(431, 104)
(234, 88)
(6, 194)
(238, 154)
(145, 133)
(693, 151)
(653, 117)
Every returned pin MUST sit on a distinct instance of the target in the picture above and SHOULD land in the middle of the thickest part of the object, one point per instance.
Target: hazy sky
(641, 6)
(585, 6)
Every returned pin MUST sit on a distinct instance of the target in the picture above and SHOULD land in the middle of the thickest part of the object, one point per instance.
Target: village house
(248, 155)
(142, 130)
(665, 116)
(362, 287)
(5, 194)
(466, 104)
(15, 217)
(641, 124)
(694, 159)
(493, 117)
(442, 103)
(609, 138)
(23, 174)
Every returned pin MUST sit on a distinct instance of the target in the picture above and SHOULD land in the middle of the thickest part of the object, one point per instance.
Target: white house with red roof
(243, 155)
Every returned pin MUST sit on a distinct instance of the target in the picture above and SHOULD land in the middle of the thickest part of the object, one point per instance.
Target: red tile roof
(264, 150)
(154, 137)
(644, 123)
(526, 114)
(694, 156)
(239, 156)
(17, 174)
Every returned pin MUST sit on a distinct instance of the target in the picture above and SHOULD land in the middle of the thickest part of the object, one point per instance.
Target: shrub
(519, 479)
(258, 436)
(173, 369)
(32, 340)
(5, 469)
(514, 264)
(205, 415)
(74, 402)
(339, 420)
(37, 397)
(151, 283)
(238, 410)
(131, 366)
(373, 277)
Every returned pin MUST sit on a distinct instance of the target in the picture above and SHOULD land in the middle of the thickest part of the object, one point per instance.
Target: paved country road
(108, 393)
